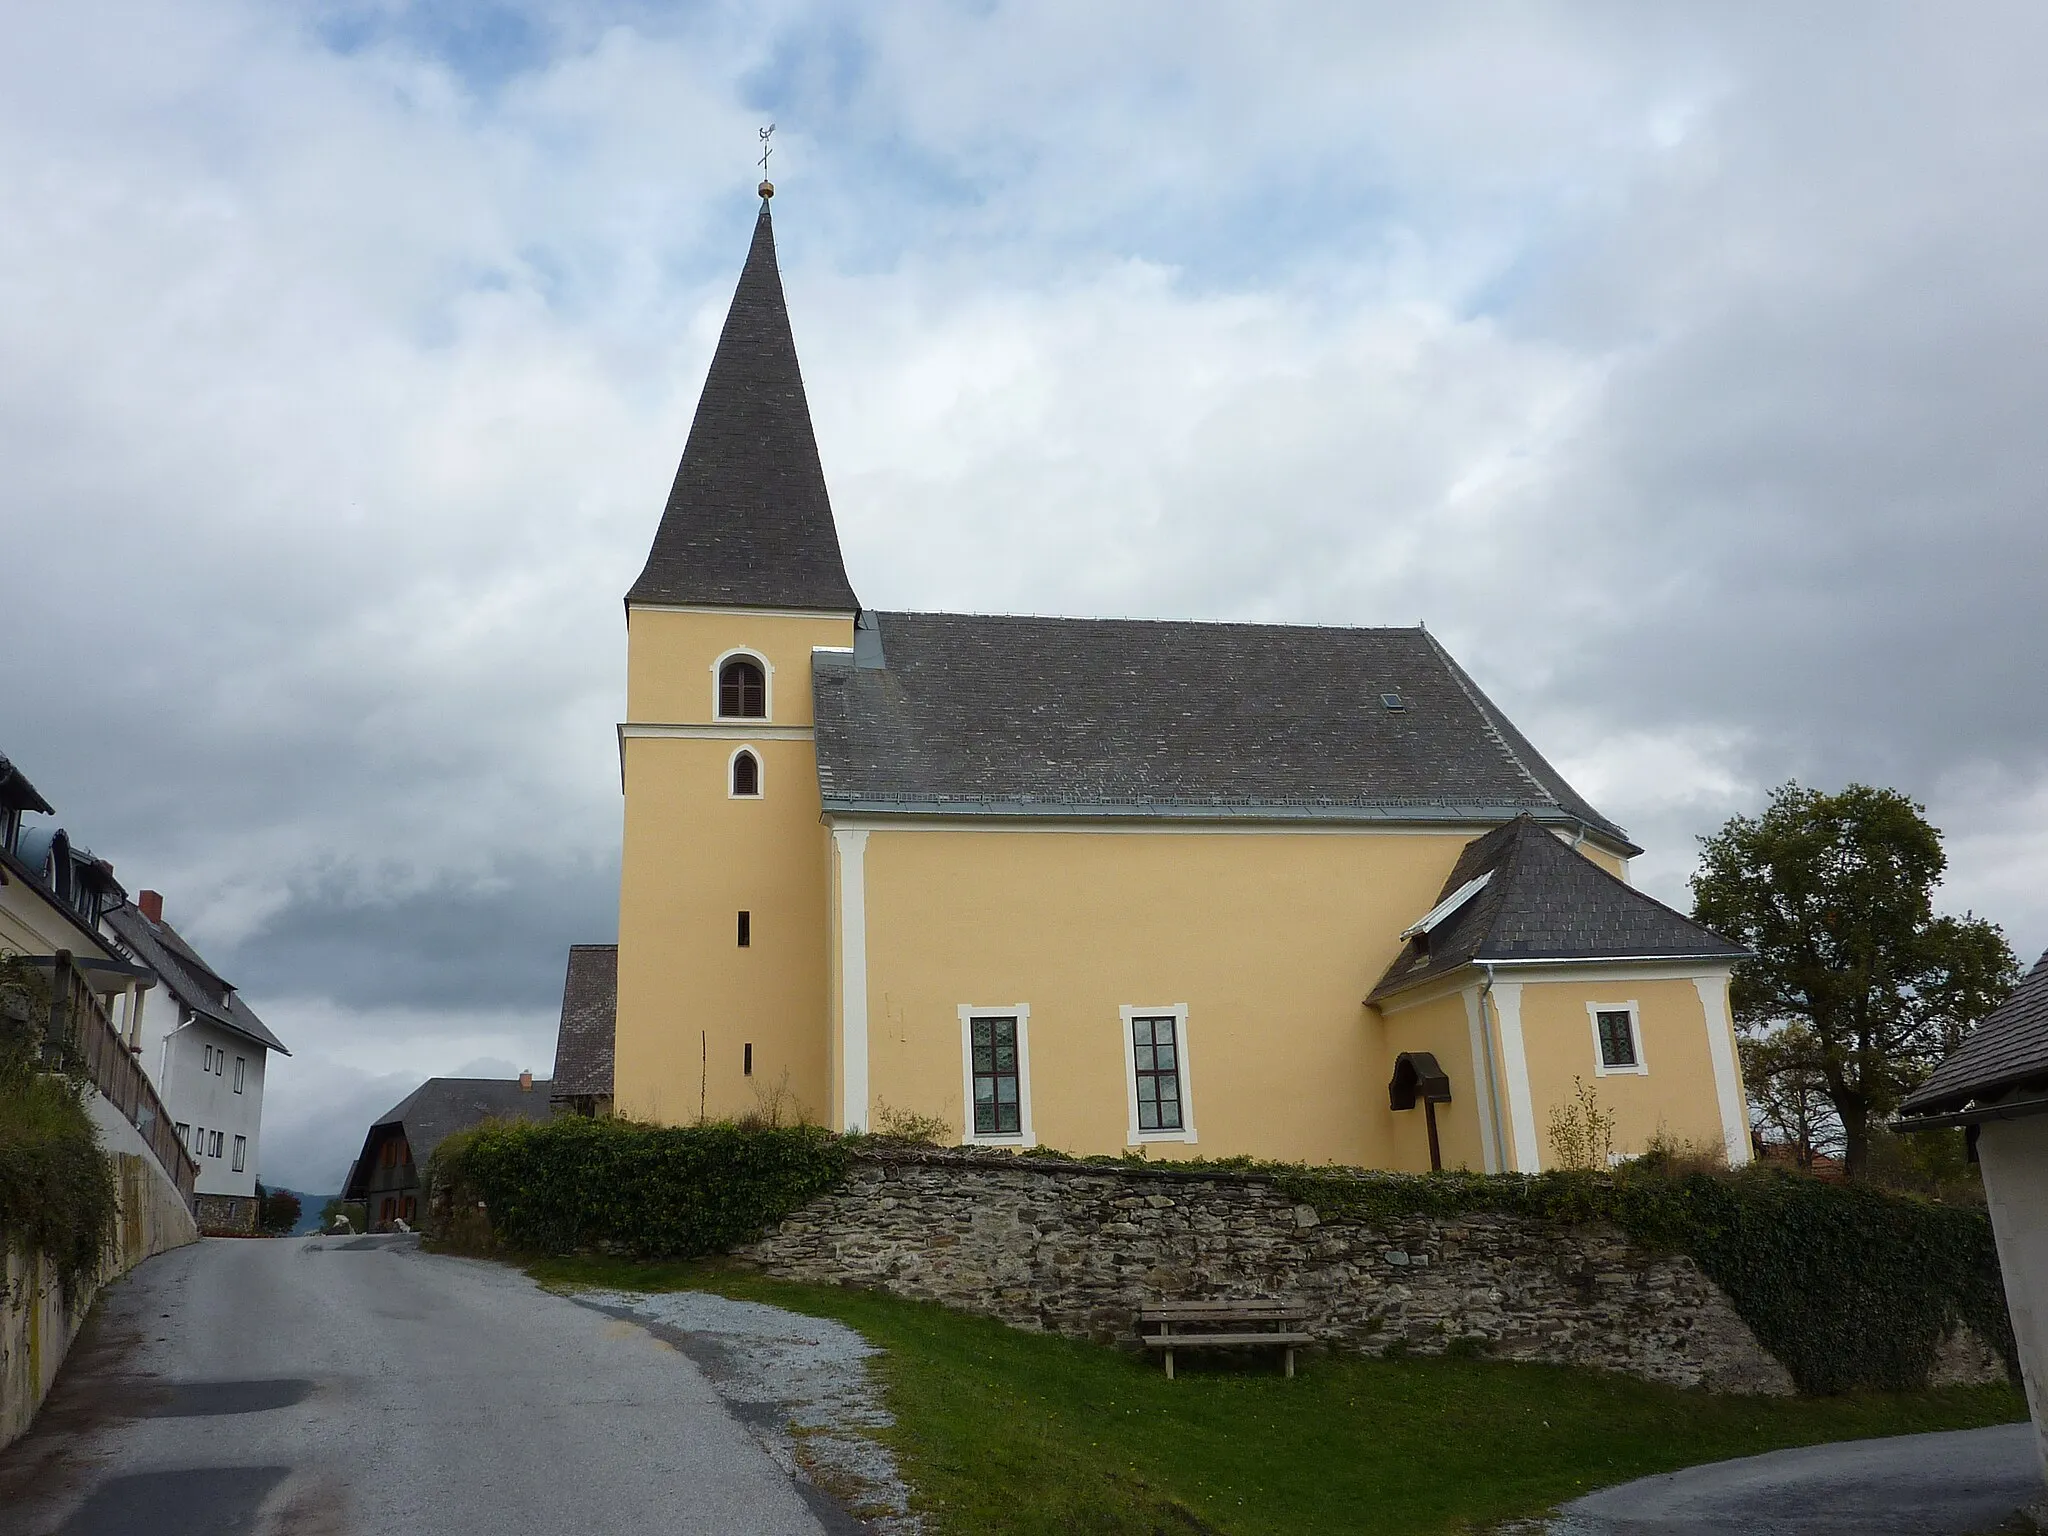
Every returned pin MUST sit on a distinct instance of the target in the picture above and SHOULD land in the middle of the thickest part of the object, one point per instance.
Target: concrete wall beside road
(37, 1321)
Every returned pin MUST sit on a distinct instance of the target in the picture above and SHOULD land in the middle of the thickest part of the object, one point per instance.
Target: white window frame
(760, 773)
(1635, 1030)
(767, 683)
(241, 1153)
(220, 1062)
(1178, 1012)
(206, 1059)
(1025, 1136)
(241, 1065)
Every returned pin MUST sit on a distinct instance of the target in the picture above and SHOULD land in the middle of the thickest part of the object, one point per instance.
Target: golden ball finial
(767, 190)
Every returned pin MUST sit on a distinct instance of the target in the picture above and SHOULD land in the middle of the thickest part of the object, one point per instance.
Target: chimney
(151, 905)
(526, 1082)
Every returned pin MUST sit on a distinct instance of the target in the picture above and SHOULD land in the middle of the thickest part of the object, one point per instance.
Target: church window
(742, 690)
(998, 1108)
(1617, 1039)
(746, 930)
(747, 1061)
(1156, 1061)
(746, 775)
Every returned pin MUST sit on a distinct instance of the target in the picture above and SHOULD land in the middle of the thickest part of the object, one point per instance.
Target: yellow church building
(1199, 889)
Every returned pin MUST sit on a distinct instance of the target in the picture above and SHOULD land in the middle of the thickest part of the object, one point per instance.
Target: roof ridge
(1097, 618)
(1479, 702)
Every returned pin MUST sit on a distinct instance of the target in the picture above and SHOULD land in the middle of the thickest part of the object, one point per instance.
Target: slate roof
(971, 714)
(188, 977)
(590, 1007)
(441, 1106)
(2007, 1050)
(748, 522)
(15, 790)
(1543, 901)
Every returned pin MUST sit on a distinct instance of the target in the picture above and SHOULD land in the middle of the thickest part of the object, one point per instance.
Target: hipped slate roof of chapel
(590, 1006)
(748, 522)
(2008, 1050)
(1543, 901)
(953, 714)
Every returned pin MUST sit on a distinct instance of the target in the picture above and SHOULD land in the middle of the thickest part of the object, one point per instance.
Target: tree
(1789, 1092)
(280, 1212)
(1856, 981)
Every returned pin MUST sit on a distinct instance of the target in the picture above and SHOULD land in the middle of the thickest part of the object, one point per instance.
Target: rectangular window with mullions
(1155, 1053)
(1617, 1039)
(998, 1103)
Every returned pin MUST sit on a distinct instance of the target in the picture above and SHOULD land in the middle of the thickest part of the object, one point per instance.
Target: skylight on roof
(1448, 906)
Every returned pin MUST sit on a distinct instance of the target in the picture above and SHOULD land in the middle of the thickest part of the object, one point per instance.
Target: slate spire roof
(749, 523)
(585, 1044)
(1543, 901)
(2008, 1050)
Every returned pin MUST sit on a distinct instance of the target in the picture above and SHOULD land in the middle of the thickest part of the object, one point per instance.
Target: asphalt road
(1966, 1481)
(322, 1386)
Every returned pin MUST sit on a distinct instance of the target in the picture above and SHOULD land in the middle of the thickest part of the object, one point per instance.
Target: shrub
(575, 1183)
(57, 1188)
(1849, 1287)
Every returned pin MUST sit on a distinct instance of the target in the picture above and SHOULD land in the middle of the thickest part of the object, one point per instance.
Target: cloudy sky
(1682, 367)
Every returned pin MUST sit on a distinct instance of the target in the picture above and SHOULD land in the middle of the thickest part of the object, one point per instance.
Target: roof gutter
(2018, 1110)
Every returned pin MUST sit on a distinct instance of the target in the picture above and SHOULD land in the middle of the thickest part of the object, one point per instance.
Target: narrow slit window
(747, 1061)
(746, 776)
(742, 690)
(746, 930)
(241, 1152)
(1617, 1039)
(997, 1109)
(240, 1063)
(1155, 1048)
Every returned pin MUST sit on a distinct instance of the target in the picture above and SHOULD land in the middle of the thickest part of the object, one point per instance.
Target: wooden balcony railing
(79, 1026)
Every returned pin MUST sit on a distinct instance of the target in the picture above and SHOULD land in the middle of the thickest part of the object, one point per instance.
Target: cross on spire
(767, 149)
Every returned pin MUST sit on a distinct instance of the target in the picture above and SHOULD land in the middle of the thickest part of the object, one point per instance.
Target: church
(1105, 886)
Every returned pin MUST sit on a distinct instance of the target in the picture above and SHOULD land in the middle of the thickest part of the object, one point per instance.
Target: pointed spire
(749, 523)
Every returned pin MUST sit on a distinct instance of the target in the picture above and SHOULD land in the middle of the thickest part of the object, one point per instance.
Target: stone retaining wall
(1074, 1249)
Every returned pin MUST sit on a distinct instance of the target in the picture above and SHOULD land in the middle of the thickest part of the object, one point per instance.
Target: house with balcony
(208, 1052)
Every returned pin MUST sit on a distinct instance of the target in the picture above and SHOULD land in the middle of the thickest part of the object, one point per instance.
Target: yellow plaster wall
(1675, 1097)
(1272, 939)
(690, 999)
(1442, 1027)
(671, 656)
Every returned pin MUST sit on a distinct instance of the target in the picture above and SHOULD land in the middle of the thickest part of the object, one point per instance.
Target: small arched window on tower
(742, 690)
(746, 775)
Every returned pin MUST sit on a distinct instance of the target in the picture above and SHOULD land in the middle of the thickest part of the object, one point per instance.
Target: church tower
(723, 946)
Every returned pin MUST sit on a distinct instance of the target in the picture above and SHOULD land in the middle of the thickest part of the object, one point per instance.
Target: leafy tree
(1789, 1092)
(1856, 981)
(280, 1212)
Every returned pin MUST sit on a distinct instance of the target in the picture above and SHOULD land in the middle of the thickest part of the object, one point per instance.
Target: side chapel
(1200, 889)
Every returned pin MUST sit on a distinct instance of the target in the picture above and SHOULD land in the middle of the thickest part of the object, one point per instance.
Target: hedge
(575, 1184)
(1850, 1288)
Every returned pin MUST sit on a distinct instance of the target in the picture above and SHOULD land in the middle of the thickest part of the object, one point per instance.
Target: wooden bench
(1172, 1325)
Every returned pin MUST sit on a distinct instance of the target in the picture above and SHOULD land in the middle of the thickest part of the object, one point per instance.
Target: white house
(207, 1050)
(1996, 1087)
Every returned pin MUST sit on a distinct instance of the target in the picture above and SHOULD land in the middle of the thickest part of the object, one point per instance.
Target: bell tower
(723, 945)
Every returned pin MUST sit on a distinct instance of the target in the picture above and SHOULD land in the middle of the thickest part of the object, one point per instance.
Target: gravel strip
(799, 1384)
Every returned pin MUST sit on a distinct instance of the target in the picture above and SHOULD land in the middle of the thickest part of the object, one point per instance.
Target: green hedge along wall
(1850, 1288)
(575, 1184)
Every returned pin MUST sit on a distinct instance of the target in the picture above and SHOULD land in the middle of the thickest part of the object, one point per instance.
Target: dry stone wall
(1074, 1249)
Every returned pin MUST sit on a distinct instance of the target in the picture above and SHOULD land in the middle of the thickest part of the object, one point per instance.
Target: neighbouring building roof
(188, 977)
(748, 522)
(1540, 900)
(958, 714)
(16, 791)
(441, 1106)
(590, 1006)
(2008, 1050)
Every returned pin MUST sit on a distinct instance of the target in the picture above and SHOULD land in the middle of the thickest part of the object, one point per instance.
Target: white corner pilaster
(852, 846)
(1525, 1155)
(1482, 1080)
(1720, 1023)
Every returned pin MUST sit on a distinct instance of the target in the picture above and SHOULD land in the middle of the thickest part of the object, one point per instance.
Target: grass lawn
(1002, 1431)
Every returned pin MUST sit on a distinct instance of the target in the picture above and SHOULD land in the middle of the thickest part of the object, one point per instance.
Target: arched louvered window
(746, 774)
(742, 690)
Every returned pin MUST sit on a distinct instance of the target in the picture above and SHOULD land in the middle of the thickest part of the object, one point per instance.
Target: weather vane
(767, 149)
